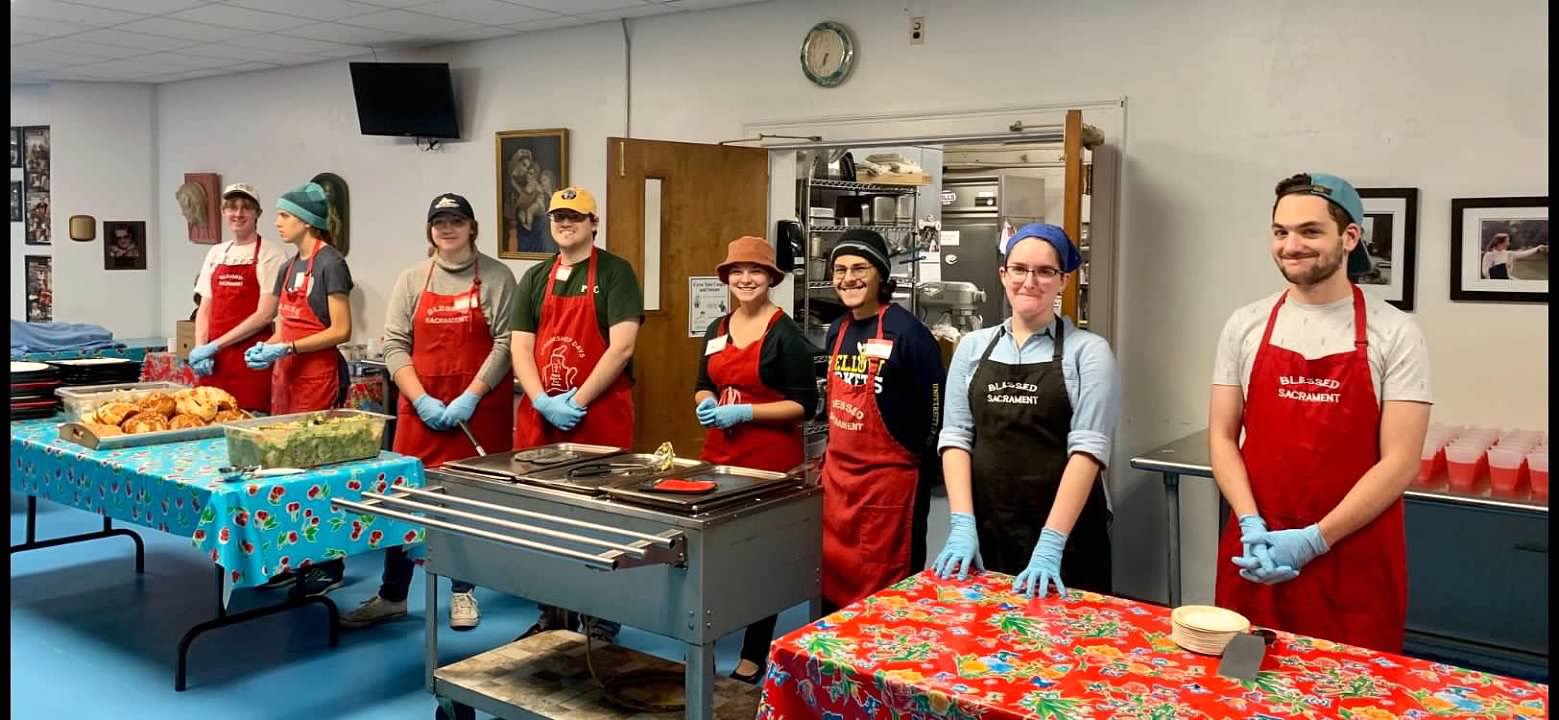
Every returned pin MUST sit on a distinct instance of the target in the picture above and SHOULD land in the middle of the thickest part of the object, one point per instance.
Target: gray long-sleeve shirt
(497, 299)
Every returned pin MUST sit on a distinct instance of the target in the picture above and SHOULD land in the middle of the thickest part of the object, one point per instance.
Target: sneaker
(463, 614)
(317, 581)
(373, 611)
(604, 632)
(285, 578)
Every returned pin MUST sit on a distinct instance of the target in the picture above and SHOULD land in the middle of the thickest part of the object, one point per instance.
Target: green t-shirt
(617, 294)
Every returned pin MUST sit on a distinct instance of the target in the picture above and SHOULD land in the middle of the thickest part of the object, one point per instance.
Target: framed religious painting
(1499, 249)
(1391, 237)
(532, 164)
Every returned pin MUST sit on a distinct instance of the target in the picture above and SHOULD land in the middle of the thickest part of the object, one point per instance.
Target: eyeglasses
(568, 216)
(856, 271)
(1022, 273)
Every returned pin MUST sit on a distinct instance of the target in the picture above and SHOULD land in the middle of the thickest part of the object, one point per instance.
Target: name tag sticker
(297, 280)
(879, 349)
(564, 271)
(714, 346)
(463, 302)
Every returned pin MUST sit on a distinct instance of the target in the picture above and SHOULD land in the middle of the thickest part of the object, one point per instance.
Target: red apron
(309, 381)
(869, 482)
(235, 293)
(774, 446)
(1311, 431)
(450, 339)
(568, 346)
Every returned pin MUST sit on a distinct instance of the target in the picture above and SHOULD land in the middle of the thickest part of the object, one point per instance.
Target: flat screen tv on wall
(405, 99)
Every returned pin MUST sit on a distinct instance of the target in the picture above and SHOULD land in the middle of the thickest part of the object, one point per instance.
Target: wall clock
(827, 53)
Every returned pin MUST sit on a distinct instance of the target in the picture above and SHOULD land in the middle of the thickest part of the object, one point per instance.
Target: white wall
(101, 164)
(1224, 98)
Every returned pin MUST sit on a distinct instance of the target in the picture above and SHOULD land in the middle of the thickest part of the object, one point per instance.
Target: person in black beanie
(884, 399)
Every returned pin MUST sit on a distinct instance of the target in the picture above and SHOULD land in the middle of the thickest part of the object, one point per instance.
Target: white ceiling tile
(187, 62)
(134, 40)
(67, 12)
(561, 22)
(343, 51)
(285, 44)
(481, 33)
(579, 7)
(707, 4)
(381, 4)
(47, 28)
(120, 70)
(484, 12)
(21, 38)
(312, 9)
(36, 54)
(145, 7)
(168, 27)
(632, 12)
(246, 67)
(235, 53)
(88, 49)
(409, 23)
(345, 34)
(240, 18)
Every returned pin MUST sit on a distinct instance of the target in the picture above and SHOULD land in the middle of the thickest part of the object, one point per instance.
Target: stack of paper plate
(32, 390)
(1206, 629)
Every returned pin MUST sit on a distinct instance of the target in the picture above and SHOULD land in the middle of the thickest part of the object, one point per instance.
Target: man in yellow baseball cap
(576, 319)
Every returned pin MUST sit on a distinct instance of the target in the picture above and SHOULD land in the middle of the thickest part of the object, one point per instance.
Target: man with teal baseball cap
(1330, 388)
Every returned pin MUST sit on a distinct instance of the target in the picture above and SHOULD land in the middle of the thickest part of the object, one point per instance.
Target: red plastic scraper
(679, 485)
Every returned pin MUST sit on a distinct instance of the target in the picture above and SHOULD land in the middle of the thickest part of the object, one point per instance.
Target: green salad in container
(319, 439)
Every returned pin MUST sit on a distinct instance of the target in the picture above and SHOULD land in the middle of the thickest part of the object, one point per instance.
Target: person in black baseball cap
(884, 395)
(446, 344)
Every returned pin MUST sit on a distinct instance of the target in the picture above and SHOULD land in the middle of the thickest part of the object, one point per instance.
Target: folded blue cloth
(27, 337)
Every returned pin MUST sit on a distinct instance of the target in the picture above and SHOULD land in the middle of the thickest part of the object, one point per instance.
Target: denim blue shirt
(1088, 368)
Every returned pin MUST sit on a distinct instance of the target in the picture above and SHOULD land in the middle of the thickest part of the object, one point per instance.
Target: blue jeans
(398, 569)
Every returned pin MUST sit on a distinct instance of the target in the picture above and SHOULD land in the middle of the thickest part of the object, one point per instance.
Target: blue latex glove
(1290, 548)
(706, 412)
(1255, 562)
(559, 410)
(1044, 566)
(431, 410)
(264, 355)
(203, 367)
(202, 353)
(962, 549)
(460, 409)
(726, 417)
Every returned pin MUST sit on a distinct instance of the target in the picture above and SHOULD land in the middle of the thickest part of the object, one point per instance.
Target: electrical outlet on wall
(917, 31)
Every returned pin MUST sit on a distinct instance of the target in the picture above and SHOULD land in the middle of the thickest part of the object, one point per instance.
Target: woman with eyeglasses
(1032, 406)
(885, 375)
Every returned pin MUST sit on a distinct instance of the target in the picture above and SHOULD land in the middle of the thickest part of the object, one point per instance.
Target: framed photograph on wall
(16, 201)
(16, 147)
(36, 205)
(35, 158)
(124, 245)
(1499, 249)
(532, 164)
(1391, 237)
(40, 288)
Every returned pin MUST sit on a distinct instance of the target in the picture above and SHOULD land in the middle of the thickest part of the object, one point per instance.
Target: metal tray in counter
(736, 484)
(630, 468)
(513, 465)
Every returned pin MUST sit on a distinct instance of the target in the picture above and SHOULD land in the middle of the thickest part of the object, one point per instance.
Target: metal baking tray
(569, 477)
(736, 484)
(510, 466)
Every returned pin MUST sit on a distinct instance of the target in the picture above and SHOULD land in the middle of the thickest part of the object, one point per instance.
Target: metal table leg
(1172, 504)
(108, 531)
(700, 695)
(223, 619)
(430, 623)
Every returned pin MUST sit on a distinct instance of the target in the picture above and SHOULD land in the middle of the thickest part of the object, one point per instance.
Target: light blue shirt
(1087, 367)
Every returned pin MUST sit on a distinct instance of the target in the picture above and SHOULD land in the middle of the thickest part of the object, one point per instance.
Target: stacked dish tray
(98, 371)
(32, 390)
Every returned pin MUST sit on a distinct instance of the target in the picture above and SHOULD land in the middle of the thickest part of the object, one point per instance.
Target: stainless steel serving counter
(1478, 592)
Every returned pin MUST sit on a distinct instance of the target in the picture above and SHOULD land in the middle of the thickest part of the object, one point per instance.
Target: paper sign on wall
(948, 238)
(707, 300)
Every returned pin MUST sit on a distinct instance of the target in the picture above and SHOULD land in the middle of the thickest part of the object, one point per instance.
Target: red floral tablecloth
(929, 648)
(363, 392)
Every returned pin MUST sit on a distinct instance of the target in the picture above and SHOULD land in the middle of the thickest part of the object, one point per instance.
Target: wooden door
(709, 195)
(1072, 202)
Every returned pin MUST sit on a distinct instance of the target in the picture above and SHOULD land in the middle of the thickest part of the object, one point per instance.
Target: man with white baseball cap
(237, 306)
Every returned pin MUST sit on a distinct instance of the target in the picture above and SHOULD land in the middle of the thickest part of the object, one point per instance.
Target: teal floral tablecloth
(253, 529)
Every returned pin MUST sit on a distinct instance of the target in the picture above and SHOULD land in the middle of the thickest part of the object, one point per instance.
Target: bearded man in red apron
(235, 304)
(1330, 386)
(576, 319)
(314, 316)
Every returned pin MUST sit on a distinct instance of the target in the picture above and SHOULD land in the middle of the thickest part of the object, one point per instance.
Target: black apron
(1022, 416)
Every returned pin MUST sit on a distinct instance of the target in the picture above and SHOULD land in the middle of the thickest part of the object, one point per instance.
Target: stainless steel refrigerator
(975, 210)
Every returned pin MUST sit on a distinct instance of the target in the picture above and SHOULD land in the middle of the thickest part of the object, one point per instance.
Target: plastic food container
(1537, 464)
(305, 440)
(1428, 462)
(1504, 469)
(1461, 463)
(82, 399)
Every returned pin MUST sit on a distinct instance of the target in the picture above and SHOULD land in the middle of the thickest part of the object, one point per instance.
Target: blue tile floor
(90, 639)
